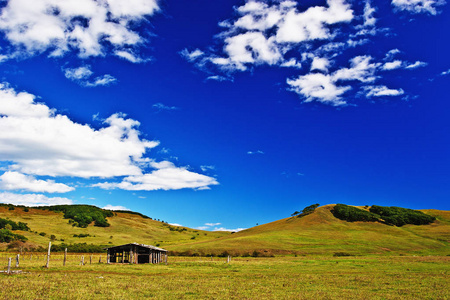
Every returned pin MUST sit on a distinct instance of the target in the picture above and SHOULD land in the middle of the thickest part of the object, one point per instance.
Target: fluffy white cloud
(312, 24)
(226, 229)
(279, 33)
(41, 142)
(415, 65)
(86, 26)
(115, 207)
(166, 176)
(201, 227)
(392, 65)
(248, 41)
(320, 63)
(17, 181)
(381, 90)
(35, 140)
(317, 86)
(360, 69)
(79, 73)
(326, 87)
(32, 199)
(82, 75)
(212, 224)
(418, 6)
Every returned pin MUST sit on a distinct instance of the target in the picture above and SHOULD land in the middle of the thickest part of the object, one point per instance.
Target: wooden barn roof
(139, 245)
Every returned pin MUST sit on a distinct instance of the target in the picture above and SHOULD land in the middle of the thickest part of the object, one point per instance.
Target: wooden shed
(135, 253)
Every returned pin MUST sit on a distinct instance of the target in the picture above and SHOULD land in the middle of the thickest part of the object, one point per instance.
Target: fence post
(100, 259)
(17, 260)
(82, 261)
(9, 266)
(65, 257)
(48, 254)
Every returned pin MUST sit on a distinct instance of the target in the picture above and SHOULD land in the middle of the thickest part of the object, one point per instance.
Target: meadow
(287, 277)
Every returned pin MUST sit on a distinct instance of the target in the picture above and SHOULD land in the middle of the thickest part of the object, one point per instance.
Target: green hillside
(123, 228)
(323, 234)
(317, 233)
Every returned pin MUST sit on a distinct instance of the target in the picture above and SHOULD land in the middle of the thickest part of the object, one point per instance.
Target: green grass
(125, 228)
(318, 233)
(324, 277)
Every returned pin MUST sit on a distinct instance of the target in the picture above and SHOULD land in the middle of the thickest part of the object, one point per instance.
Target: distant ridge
(317, 233)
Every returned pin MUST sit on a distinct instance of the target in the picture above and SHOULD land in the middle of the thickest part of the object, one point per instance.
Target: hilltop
(121, 227)
(317, 233)
(321, 233)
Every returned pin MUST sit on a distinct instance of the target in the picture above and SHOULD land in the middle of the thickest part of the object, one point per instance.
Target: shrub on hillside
(14, 226)
(7, 236)
(83, 215)
(306, 211)
(399, 216)
(353, 214)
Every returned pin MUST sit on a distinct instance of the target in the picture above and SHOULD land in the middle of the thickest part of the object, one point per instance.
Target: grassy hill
(124, 228)
(322, 234)
(319, 233)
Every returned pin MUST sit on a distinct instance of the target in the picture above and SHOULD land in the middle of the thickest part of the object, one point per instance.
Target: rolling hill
(319, 233)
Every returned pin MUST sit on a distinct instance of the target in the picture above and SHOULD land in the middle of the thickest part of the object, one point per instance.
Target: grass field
(125, 228)
(400, 277)
(319, 233)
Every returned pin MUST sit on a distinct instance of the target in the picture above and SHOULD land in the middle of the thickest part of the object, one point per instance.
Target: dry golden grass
(319, 233)
(250, 278)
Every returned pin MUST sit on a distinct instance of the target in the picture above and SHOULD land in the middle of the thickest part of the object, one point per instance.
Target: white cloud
(212, 224)
(82, 75)
(280, 34)
(17, 181)
(202, 227)
(360, 69)
(417, 64)
(445, 72)
(317, 86)
(160, 106)
(166, 177)
(247, 41)
(35, 140)
(115, 207)
(207, 168)
(79, 73)
(328, 88)
(320, 64)
(176, 224)
(312, 24)
(88, 27)
(32, 199)
(381, 90)
(396, 64)
(193, 55)
(291, 63)
(226, 229)
(255, 152)
(418, 6)
(104, 80)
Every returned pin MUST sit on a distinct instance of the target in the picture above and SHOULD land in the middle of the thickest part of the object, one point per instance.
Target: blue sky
(224, 114)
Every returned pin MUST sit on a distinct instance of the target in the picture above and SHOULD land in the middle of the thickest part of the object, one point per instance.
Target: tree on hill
(306, 211)
(396, 216)
(83, 215)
